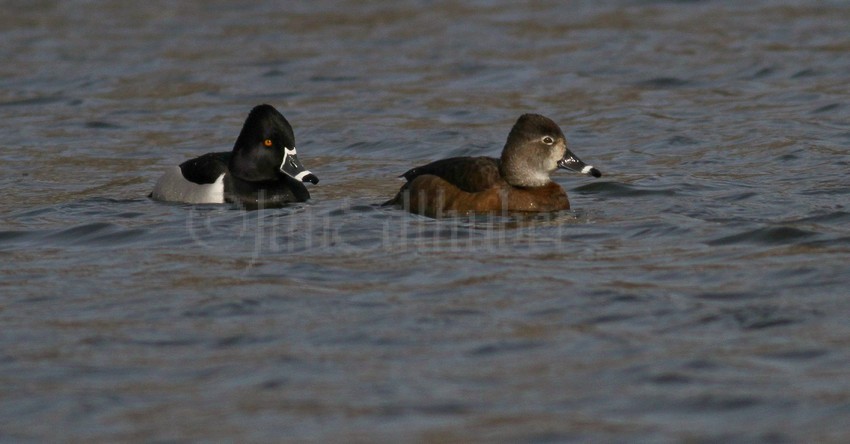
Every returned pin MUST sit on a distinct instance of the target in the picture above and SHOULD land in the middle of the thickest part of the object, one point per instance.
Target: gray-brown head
(535, 148)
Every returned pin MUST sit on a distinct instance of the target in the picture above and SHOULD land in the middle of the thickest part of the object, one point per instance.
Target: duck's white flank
(173, 187)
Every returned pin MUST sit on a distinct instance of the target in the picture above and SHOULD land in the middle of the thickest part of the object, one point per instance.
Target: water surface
(696, 292)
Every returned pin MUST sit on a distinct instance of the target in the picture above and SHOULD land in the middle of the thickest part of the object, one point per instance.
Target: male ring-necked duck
(517, 182)
(261, 171)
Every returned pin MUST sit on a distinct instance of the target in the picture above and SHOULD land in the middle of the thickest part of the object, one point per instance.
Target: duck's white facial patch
(286, 153)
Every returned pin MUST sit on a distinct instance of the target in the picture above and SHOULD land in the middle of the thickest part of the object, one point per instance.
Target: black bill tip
(310, 178)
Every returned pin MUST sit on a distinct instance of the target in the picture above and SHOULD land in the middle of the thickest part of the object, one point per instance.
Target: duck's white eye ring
(548, 140)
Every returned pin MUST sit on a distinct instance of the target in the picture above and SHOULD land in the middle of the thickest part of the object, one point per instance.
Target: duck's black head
(266, 148)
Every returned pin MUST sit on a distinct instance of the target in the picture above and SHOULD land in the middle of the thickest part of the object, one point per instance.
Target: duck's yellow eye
(267, 142)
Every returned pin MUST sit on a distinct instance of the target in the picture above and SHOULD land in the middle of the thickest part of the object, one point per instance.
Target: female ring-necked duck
(517, 182)
(261, 171)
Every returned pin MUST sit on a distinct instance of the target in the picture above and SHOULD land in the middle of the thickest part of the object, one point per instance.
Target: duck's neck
(518, 172)
(244, 167)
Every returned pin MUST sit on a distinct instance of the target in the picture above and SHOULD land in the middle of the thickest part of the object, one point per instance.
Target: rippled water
(698, 292)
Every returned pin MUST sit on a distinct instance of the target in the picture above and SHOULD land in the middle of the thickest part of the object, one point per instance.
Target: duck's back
(205, 169)
(453, 184)
(470, 174)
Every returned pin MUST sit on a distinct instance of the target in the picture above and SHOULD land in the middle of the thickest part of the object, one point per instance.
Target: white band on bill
(300, 176)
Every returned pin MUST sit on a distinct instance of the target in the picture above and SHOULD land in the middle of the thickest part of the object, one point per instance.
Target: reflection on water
(695, 293)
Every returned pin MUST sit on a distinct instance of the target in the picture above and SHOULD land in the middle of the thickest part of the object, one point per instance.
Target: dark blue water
(697, 292)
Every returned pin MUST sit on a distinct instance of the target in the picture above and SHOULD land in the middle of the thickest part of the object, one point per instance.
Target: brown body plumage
(516, 182)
